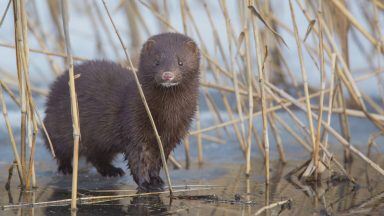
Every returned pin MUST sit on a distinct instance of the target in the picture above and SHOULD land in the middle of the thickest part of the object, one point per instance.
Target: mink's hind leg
(103, 164)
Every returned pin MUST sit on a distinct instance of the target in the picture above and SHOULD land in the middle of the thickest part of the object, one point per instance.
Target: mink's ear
(147, 47)
(192, 46)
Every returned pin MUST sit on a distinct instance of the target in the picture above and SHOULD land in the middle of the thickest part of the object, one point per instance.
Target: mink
(112, 116)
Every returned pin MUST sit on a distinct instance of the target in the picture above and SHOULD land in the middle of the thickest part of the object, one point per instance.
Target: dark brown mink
(113, 119)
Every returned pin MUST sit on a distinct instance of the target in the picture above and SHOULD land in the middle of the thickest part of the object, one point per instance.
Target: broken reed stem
(11, 136)
(160, 145)
(74, 104)
(262, 77)
(303, 73)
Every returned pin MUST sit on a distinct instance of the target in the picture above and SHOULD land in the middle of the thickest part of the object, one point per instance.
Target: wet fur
(113, 119)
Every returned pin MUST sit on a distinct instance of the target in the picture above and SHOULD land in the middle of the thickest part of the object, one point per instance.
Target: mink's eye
(180, 62)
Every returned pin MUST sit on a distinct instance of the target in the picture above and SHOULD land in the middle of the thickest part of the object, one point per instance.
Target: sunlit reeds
(247, 77)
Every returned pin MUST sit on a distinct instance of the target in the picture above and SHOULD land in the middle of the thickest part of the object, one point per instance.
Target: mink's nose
(167, 76)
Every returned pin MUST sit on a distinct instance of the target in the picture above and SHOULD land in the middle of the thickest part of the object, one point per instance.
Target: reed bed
(247, 71)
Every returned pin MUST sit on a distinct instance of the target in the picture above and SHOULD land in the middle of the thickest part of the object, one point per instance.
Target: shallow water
(219, 188)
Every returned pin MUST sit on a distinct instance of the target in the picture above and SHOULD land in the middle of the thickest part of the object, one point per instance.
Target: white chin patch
(169, 84)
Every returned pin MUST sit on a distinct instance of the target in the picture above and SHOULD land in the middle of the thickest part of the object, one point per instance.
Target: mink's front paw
(157, 185)
(157, 182)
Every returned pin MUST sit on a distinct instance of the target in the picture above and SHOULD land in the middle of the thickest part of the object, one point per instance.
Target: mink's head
(168, 60)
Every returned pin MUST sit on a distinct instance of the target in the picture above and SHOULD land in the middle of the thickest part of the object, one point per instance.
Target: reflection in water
(231, 194)
(147, 205)
(141, 205)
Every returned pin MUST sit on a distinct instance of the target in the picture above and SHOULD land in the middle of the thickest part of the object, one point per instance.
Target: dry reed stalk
(342, 8)
(238, 134)
(74, 103)
(343, 118)
(289, 129)
(259, 142)
(316, 150)
(22, 83)
(5, 12)
(33, 106)
(276, 134)
(183, 16)
(377, 107)
(160, 145)
(351, 112)
(262, 77)
(41, 39)
(302, 125)
(187, 153)
(228, 89)
(45, 52)
(175, 163)
(332, 131)
(275, 108)
(199, 137)
(250, 98)
(103, 24)
(216, 76)
(274, 205)
(211, 104)
(234, 74)
(30, 111)
(330, 98)
(216, 37)
(212, 139)
(303, 73)
(345, 75)
(213, 109)
(10, 93)
(89, 200)
(228, 108)
(11, 137)
(31, 169)
(235, 121)
(217, 110)
(34, 89)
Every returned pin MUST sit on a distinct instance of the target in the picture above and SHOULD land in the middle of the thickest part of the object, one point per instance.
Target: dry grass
(247, 64)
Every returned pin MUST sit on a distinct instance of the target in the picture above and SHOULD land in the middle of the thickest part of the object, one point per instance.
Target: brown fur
(112, 116)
